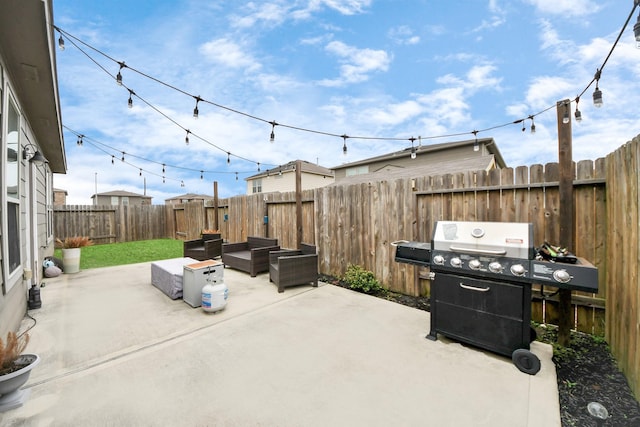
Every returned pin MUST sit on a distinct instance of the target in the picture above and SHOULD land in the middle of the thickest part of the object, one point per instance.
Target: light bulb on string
(236, 176)
(163, 166)
(140, 172)
(258, 166)
(201, 175)
(80, 141)
(61, 42)
(344, 144)
(413, 149)
(181, 183)
(476, 147)
(578, 114)
(533, 125)
(163, 179)
(597, 94)
(195, 109)
(228, 157)
(636, 31)
(113, 160)
(122, 156)
(130, 101)
(272, 137)
(186, 138)
(119, 75)
(565, 117)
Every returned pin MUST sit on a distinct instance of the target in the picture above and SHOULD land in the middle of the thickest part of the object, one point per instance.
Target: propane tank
(34, 297)
(214, 296)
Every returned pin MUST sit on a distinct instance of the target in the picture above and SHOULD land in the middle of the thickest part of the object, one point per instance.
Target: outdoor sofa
(209, 247)
(251, 256)
(294, 267)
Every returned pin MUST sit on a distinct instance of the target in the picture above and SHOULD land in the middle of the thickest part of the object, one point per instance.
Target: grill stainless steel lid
(503, 239)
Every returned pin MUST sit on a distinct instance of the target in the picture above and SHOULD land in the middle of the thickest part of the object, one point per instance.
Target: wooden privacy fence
(111, 224)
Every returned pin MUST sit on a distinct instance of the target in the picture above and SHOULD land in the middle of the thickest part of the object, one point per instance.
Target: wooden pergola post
(567, 173)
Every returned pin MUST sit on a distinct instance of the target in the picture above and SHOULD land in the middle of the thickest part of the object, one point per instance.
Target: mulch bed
(586, 372)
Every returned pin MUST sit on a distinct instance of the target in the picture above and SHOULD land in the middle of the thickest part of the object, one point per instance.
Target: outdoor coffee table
(166, 275)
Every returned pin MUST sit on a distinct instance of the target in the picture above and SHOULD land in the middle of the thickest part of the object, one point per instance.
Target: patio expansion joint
(131, 352)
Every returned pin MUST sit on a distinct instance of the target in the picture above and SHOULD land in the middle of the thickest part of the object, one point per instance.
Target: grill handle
(398, 241)
(477, 251)
(473, 288)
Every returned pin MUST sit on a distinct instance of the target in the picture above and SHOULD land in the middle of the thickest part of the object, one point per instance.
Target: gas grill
(481, 276)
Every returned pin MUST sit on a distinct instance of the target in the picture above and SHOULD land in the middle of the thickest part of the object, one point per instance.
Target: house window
(114, 200)
(257, 186)
(125, 201)
(357, 170)
(11, 188)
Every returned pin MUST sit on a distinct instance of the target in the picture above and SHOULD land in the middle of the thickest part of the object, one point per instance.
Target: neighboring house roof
(60, 190)
(27, 45)
(489, 144)
(307, 167)
(451, 167)
(190, 196)
(121, 193)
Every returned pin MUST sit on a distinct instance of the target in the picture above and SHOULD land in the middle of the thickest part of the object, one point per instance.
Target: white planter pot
(10, 394)
(71, 260)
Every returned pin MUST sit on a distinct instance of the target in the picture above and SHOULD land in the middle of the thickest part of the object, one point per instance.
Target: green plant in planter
(361, 280)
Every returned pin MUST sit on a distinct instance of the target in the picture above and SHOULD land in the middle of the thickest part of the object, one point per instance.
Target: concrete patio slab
(117, 351)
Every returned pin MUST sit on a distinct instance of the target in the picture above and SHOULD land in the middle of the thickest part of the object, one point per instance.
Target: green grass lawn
(127, 253)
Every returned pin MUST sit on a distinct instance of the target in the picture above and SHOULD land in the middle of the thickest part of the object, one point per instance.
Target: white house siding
(14, 290)
(287, 182)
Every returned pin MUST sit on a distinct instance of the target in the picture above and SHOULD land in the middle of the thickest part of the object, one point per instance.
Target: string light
(186, 138)
(141, 172)
(476, 146)
(122, 156)
(61, 42)
(119, 75)
(533, 125)
(272, 137)
(80, 140)
(597, 94)
(201, 175)
(181, 183)
(113, 160)
(130, 101)
(163, 166)
(236, 176)
(228, 157)
(258, 166)
(195, 109)
(578, 114)
(344, 144)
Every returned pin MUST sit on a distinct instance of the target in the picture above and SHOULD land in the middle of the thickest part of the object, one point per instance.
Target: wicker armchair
(209, 247)
(294, 267)
(251, 256)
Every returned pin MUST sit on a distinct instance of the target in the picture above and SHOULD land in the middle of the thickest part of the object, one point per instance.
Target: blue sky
(374, 68)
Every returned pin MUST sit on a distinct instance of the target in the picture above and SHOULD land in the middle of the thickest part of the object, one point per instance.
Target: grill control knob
(495, 267)
(562, 276)
(438, 260)
(475, 264)
(518, 270)
(456, 262)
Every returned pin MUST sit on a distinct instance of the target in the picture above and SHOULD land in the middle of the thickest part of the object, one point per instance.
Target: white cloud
(356, 63)
(566, 7)
(403, 35)
(257, 13)
(229, 53)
